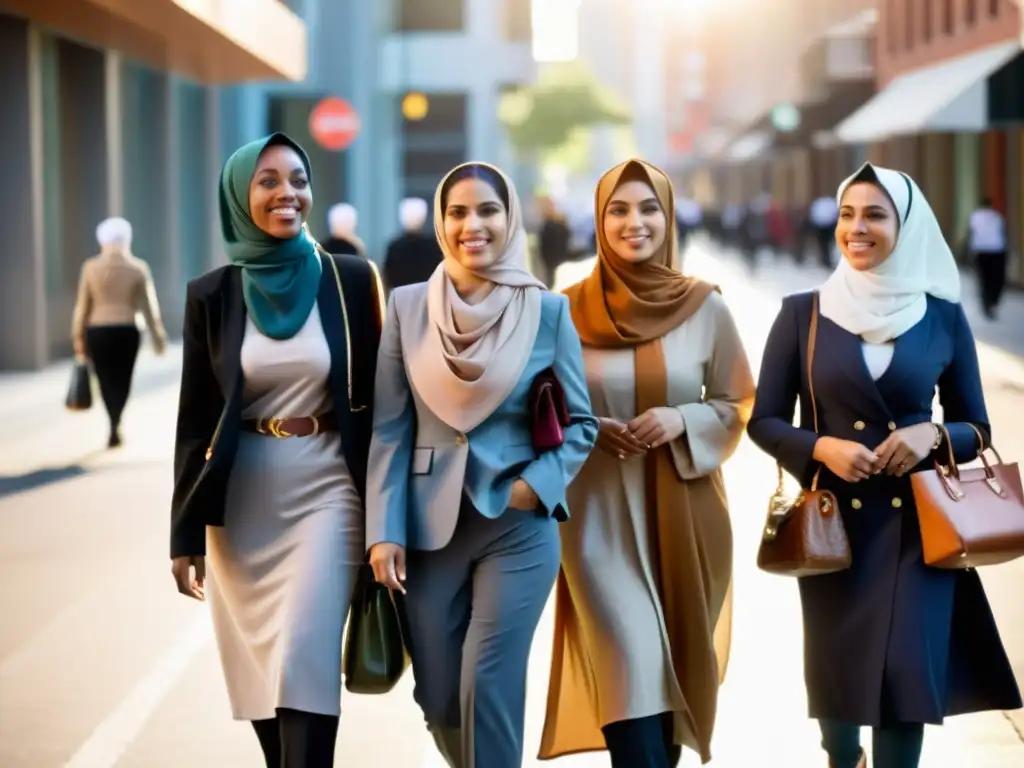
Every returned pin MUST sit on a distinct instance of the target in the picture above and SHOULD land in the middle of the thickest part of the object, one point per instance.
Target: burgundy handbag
(549, 415)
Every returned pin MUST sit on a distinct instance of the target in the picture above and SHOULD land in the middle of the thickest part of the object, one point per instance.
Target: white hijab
(114, 235)
(475, 354)
(884, 302)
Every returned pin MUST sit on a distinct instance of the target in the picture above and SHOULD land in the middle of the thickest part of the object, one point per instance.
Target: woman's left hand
(905, 448)
(657, 426)
(523, 496)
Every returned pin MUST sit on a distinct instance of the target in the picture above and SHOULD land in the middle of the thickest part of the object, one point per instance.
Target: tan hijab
(476, 353)
(635, 305)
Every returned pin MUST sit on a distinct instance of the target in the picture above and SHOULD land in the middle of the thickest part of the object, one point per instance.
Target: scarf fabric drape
(280, 278)
(474, 354)
(884, 302)
(621, 304)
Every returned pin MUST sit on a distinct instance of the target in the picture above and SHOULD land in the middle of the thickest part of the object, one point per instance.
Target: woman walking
(643, 608)
(280, 344)
(112, 288)
(461, 509)
(889, 643)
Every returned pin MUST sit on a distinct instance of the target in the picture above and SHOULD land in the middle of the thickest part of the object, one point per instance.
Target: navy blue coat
(888, 640)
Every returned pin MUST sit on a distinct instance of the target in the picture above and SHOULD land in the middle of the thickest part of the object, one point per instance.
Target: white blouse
(877, 357)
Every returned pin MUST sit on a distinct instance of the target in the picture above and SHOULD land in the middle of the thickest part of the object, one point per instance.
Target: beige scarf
(474, 354)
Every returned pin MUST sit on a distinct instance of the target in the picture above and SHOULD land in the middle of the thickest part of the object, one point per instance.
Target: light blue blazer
(420, 468)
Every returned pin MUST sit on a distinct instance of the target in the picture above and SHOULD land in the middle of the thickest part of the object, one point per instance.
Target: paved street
(103, 664)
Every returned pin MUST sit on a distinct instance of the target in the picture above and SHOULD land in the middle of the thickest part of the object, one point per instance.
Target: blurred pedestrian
(643, 606)
(342, 220)
(987, 241)
(413, 256)
(112, 288)
(822, 216)
(457, 492)
(554, 240)
(282, 343)
(890, 642)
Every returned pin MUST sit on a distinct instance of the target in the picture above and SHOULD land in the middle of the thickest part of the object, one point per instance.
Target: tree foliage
(566, 97)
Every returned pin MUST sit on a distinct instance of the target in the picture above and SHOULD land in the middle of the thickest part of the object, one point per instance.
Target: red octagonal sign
(334, 124)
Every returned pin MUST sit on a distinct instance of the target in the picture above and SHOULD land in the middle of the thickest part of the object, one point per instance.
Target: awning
(210, 41)
(947, 97)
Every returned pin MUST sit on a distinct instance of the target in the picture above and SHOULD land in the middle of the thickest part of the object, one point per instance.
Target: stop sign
(334, 124)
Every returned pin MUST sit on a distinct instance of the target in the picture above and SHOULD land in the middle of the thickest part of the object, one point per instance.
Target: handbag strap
(812, 342)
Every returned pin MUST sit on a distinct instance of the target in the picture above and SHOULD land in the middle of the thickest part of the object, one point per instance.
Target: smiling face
(634, 223)
(868, 226)
(279, 194)
(475, 223)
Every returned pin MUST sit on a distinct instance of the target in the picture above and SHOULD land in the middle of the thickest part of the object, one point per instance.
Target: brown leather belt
(300, 426)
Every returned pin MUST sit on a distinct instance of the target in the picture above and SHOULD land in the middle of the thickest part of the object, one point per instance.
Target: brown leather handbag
(969, 517)
(804, 536)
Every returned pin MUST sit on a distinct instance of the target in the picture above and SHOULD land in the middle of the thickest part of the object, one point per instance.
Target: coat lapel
(333, 320)
(233, 317)
(847, 355)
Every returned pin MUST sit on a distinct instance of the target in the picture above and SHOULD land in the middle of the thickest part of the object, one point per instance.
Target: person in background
(281, 343)
(822, 216)
(457, 493)
(554, 240)
(889, 643)
(987, 243)
(689, 218)
(342, 220)
(413, 256)
(112, 288)
(642, 612)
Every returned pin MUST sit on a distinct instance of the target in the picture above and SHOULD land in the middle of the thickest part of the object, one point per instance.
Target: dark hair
(986, 202)
(475, 171)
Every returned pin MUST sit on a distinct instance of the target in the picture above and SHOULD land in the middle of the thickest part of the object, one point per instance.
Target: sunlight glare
(555, 30)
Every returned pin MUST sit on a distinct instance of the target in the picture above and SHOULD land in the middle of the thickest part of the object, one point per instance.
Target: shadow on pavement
(14, 484)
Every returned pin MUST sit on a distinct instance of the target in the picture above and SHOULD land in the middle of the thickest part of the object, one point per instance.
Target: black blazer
(210, 403)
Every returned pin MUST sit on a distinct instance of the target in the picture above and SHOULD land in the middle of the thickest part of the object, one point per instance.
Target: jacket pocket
(422, 461)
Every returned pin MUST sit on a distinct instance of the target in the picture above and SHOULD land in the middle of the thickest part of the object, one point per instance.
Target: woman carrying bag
(890, 642)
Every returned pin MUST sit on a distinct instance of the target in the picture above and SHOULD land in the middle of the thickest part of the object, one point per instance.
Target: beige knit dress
(283, 566)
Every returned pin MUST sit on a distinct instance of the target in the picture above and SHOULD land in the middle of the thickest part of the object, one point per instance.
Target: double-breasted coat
(890, 640)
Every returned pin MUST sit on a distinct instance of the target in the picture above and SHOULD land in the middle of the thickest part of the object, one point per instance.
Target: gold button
(897, 502)
(856, 504)
(892, 426)
(460, 440)
(859, 425)
(209, 453)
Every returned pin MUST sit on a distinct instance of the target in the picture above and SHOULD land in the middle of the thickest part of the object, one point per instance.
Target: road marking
(106, 744)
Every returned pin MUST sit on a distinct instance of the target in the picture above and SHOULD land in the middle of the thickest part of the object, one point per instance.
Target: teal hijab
(280, 278)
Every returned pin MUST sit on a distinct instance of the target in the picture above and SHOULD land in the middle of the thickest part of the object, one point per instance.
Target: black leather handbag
(80, 392)
(375, 655)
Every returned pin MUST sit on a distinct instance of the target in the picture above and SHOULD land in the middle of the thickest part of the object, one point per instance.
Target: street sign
(334, 124)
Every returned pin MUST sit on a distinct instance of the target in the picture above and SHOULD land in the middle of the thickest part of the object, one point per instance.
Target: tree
(566, 97)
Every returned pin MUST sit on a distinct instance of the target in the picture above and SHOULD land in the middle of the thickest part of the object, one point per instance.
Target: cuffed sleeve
(83, 307)
(394, 433)
(147, 303)
(714, 427)
(551, 472)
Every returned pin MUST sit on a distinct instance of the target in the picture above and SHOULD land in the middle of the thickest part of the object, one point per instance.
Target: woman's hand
(658, 426)
(615, 439)
(79, 346)
(523, 496)
(905, 448)
(388, 563)
(847, 459)
(181, 568)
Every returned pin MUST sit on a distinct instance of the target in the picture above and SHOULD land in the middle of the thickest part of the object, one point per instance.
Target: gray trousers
(472, 610)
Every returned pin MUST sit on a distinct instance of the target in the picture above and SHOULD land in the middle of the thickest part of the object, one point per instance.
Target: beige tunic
(283, 566)
(112, 288)
(616, 653)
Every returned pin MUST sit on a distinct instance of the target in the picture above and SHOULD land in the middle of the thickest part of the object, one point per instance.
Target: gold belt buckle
(274, 427)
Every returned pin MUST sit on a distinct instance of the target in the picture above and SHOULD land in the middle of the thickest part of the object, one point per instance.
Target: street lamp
(415, 106)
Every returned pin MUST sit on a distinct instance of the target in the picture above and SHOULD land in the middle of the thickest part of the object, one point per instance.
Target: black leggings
(645, 742)
(112, 349)
(297, 739)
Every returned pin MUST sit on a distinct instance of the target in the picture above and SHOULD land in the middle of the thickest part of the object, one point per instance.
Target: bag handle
(812, 340)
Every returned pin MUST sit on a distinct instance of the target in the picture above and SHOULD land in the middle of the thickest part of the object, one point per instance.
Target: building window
(971, 10)
(434, 145)
(947, 17)
(429, 16)
(517, 20)
(926, 20)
